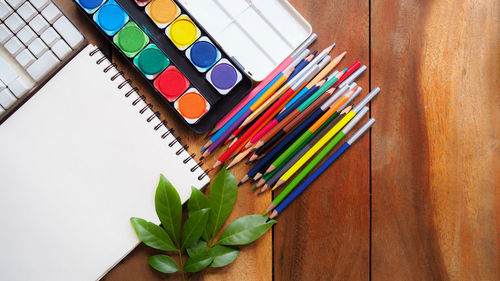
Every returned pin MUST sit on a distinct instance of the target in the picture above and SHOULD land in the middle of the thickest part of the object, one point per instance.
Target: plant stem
(181, 264)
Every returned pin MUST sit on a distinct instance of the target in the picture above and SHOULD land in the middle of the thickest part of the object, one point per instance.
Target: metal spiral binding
(183, 148)
(148, 106)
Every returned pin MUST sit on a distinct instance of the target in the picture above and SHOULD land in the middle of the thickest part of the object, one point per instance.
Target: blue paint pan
(111, 17)
(203, 54)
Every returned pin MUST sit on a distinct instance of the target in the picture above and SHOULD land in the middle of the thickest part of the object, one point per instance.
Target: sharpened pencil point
(259, 193)
(315, 52)
(202, 157)
(268, 220)
(211, 169)
(273, 215)
(255, 188)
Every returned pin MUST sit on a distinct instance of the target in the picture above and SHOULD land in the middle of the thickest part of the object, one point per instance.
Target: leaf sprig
(197, 236)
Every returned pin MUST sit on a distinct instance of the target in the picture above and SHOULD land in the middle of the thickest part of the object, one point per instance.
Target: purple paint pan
(224, 76)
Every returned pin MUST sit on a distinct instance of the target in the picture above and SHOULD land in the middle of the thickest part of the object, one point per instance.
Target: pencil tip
(315, 52)
(203, 149)
(211, 169)
(259, 193)
(268, 220)
(202, 157)
(240, 183)
(255, 188)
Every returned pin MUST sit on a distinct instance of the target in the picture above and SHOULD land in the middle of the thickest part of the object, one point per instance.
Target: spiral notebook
(77, 160)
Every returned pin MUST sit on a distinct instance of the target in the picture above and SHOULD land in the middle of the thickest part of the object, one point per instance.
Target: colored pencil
(218, 134)
(327, 85)
(238, 158)
(352, 77)
(326, 111)
(228, 126)
(327, 137)
(288, 115)
(355, 66)
(290, 138)
(286, 62)
(320, 56)
(271, 99)
(268, 115)
(323, 153)
(301, 96)
(304, 141)
(303, 81)
(320, 76)
(283, 114)
(270, 179)
(321, 169)
(301, 65)
(282, 168)
(221, 135)
(305, 118)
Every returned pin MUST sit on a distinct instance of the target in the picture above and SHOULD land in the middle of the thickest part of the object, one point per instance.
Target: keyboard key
(15, 3)
(37, 47)
(7, 98)
(25, 58)
(19, 87)
(5, 33)
(8, 74)
(50, 36)
(26, 35)
(51, 13)
(68, 32)
(27, 11)
(39, 4)
(43, 66)
(5, 10)
(14, 22)
(13, 46)
(39, 24)
(61, 49)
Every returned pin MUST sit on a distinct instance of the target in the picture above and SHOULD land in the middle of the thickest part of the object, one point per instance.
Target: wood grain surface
(432, 162)
(436, 145)
(324, 235)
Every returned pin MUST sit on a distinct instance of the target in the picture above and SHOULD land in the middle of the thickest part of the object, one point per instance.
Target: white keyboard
(36, 39)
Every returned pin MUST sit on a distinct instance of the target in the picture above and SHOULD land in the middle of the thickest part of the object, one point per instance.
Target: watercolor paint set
(200, 56)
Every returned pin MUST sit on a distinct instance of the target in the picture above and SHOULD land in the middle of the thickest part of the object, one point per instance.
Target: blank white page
(76, 162)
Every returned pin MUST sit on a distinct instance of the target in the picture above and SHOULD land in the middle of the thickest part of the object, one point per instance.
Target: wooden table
(418, 198)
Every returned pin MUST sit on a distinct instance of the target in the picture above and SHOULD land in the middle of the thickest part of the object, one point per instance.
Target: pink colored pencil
(285, 63)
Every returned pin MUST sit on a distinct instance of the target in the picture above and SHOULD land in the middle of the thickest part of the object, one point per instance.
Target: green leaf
(245, 230)
(198, 248)
(169, 208)
(163, 263)
(152, 235)
(223, 194)
(194, 227)
(197, 201)
(198, 262)
(223, 255)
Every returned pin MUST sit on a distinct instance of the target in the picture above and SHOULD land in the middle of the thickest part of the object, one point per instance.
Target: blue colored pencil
(300, 66)
(307, 182)
(240, 113)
